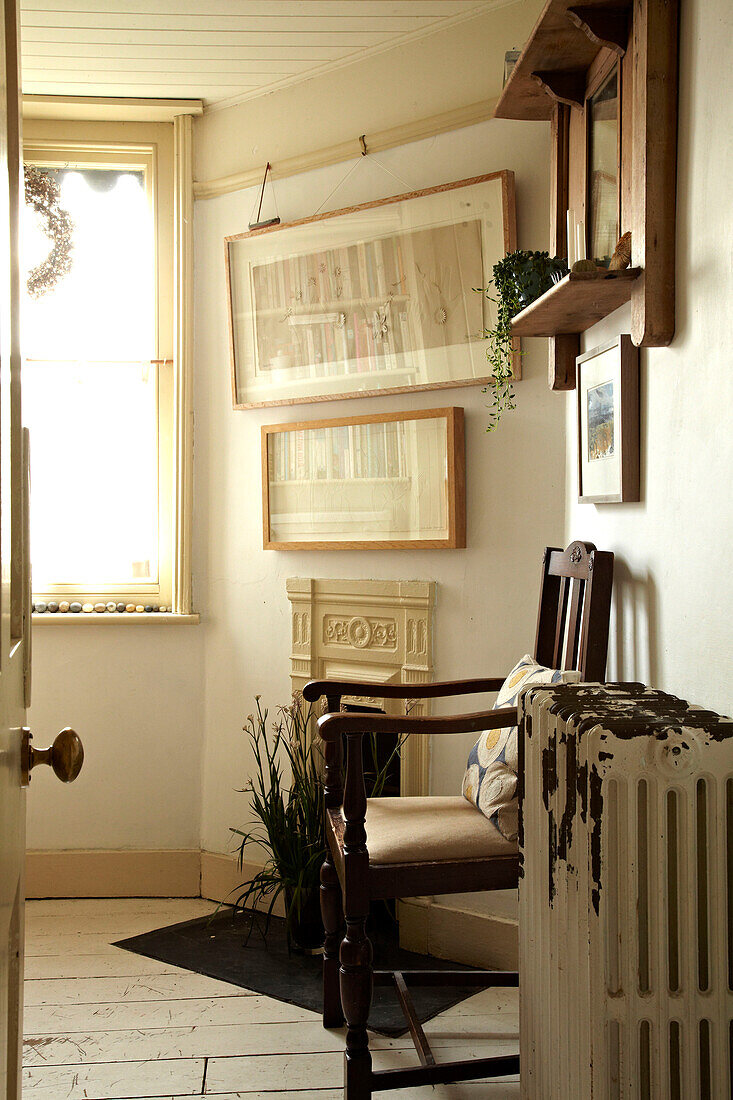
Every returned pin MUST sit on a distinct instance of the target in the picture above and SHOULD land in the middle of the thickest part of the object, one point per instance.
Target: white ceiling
(220, 51)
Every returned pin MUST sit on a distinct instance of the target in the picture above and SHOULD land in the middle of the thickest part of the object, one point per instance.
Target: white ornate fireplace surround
(381, 631)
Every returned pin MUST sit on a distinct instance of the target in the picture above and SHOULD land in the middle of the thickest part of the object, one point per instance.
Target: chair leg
(356, 998)
(332, 914)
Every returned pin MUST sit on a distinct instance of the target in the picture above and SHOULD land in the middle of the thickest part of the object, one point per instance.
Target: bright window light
(90, 390)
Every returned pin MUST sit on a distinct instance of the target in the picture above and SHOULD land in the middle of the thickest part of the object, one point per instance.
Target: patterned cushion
(490, 782)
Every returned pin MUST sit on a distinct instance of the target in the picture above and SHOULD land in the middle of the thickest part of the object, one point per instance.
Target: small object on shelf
(510, 59)
(39, 607)
(584, 265)
(119, 608)
(148, 608)
(579, 241)
(621, 254)
(111, 606)
(139, 609)
(64, 607)
(130, 607)
(100, 608)
(53, 607)
(87, 608)
(570, 236)
(75, 607)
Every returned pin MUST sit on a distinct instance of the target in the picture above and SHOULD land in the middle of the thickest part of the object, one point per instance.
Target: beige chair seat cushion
(425, 829)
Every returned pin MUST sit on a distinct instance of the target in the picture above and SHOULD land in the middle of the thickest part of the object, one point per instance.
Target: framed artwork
(389, 481)
(607, 388)
(378, 298)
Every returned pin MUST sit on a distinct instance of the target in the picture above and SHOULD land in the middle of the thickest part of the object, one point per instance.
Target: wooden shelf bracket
(563, 85)
(603, 26)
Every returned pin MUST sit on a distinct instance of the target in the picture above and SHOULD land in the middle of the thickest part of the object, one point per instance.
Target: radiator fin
(673, 899)
(703, 938)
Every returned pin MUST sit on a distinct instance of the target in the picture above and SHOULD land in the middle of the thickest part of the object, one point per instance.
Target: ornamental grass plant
(285, 795)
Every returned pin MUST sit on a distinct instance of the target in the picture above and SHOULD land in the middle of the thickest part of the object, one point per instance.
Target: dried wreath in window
(42, 193)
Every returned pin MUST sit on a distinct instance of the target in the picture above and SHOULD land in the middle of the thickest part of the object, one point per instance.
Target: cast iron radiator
(626, 895)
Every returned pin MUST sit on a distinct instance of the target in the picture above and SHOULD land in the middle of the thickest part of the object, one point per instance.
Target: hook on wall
(362, 142)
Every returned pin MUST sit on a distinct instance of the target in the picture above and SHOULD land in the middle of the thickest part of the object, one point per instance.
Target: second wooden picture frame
(388, 481)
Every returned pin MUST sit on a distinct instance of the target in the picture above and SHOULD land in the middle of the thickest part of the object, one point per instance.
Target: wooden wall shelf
(576, 302)
(573, 47)
(562, 47)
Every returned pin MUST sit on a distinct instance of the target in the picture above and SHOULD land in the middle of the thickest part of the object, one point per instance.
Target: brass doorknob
(65, 756)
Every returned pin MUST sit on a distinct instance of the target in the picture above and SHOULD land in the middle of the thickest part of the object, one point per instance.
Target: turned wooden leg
(333, 923)
(356, 998)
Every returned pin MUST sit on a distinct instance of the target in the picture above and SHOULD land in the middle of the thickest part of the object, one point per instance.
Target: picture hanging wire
(364, 154)
(257, 224)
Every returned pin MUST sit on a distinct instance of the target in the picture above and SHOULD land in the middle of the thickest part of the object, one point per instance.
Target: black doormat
(232, 948)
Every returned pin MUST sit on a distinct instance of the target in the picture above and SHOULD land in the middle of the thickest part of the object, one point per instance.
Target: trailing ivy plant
(519, 278)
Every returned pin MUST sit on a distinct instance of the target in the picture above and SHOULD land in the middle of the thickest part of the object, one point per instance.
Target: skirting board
(222, 877)
(476, 939)
(113, 874)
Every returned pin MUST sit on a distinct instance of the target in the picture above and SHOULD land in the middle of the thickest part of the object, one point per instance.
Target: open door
(17, 756)
(14, 608)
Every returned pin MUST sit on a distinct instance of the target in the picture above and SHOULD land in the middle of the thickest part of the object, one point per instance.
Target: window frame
(150, 146)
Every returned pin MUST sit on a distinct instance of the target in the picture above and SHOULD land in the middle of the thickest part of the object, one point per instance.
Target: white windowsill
(131, 618)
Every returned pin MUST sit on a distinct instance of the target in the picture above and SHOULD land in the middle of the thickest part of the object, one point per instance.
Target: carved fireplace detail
(368, 630)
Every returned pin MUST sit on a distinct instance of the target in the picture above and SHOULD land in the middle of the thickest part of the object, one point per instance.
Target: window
(98, 373)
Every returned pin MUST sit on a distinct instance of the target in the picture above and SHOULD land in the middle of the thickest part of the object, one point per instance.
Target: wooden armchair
(408, 847)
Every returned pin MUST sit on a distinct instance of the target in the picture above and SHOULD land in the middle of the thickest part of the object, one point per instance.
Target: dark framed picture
(607, 388)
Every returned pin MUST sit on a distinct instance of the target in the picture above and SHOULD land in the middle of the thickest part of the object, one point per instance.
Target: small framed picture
(389, 481)
(607, 388)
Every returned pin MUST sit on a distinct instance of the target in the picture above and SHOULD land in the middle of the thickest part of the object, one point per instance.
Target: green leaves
(286, 807)
(519, 278)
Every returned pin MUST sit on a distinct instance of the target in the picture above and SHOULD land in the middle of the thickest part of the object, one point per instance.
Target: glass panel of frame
(379, 298)
(394, 480)
(603, 169)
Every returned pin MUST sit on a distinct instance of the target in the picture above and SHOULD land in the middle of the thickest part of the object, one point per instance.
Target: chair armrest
(314, 689)
(332, 726)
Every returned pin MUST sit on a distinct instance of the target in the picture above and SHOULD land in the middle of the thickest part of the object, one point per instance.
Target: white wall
(674, 567)
(440, 72)
(134, 693)
(487, 594)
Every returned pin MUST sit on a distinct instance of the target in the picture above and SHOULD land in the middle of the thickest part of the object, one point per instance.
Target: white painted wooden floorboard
(212, 1041)
(67, 991)
(183, 908)
(67, 1019)
(299, 1071)
(115, 1080)
(69, 944)
(121, 964)
(117, 926)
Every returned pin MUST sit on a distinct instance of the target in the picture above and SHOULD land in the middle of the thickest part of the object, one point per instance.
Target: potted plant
(519, 278)
(286, 803)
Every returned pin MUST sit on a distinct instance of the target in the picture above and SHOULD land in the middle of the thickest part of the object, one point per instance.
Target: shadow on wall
(632, 652)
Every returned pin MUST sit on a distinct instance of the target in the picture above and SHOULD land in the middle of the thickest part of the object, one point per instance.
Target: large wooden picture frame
(390, 481)
(608, 423)
(372, 299)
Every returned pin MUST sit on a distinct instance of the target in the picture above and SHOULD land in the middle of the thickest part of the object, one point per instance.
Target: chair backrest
(575, 606)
